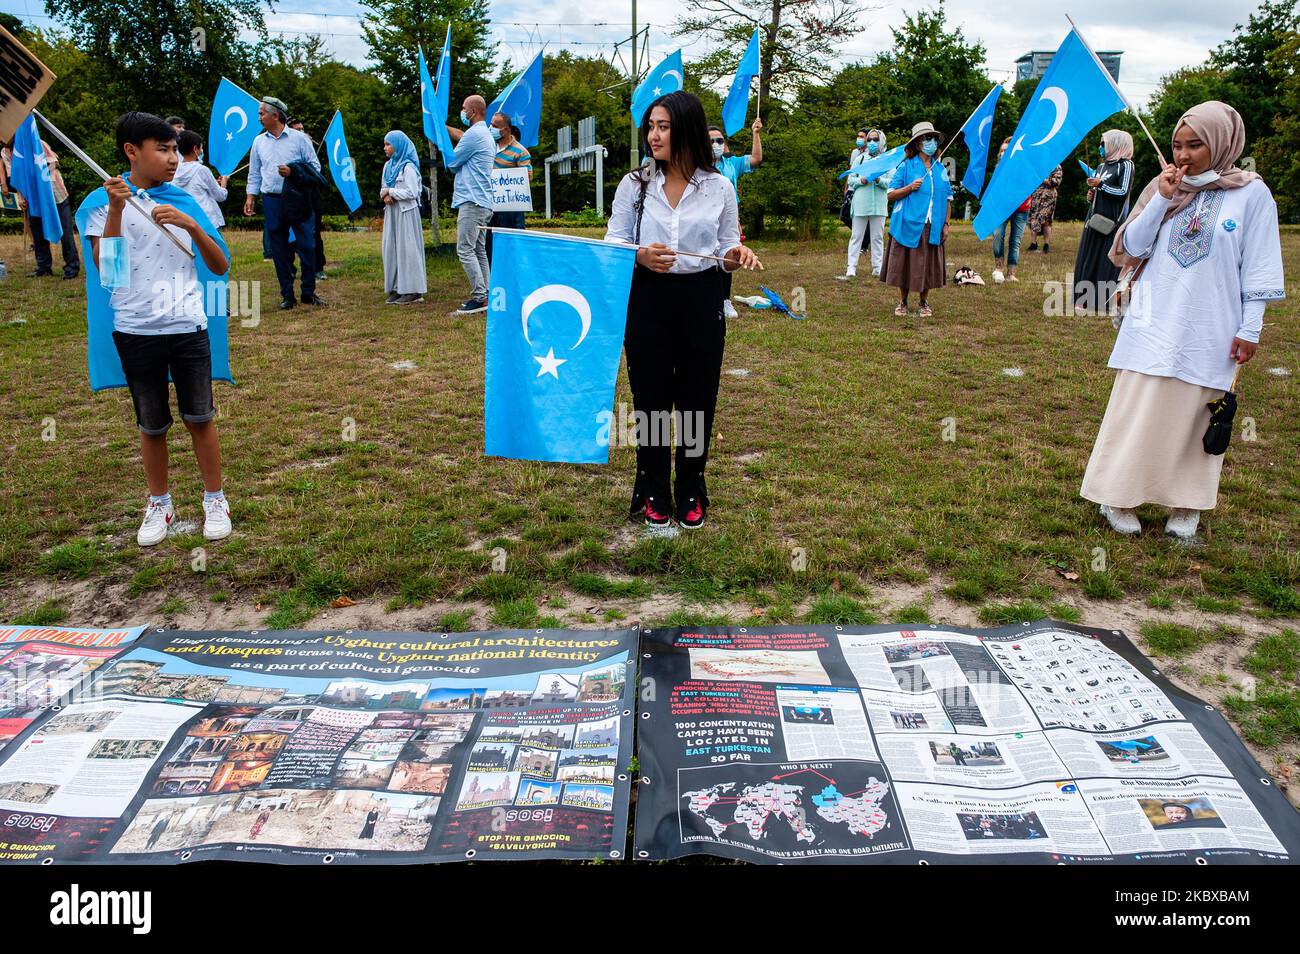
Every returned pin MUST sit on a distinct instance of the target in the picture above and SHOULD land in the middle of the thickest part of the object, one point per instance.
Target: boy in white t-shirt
(159, 322)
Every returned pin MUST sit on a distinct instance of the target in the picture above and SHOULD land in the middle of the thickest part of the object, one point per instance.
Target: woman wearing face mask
(1042, 210)
(1208, 233)
(403, 242)
(1108, 198)
(1006, 240)
(675, 325)
(868, 205)
(918, 226)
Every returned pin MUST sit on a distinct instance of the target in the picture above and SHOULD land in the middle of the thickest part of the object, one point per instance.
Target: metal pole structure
(433, 194)
(635, 150)
(548, 188)
(600, 181)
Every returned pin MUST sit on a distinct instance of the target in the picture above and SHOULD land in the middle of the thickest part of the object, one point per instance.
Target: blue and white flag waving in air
(521, 101)
(232, 127)
(1074, 95)
(30, 174)
(667, 77)
(556, 313)
(877, 166)
(978, 131)
(736, 108)
(341, 166)
(433, 100)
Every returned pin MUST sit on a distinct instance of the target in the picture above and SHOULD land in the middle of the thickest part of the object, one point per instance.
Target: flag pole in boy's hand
(99, 171)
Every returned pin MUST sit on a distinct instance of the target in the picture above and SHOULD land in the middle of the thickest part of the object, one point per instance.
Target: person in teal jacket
(918, 226)
(869, 206)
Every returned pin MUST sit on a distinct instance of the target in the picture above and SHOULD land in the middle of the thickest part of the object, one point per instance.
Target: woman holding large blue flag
(918, 226)
(1205, 235)
(681, 213)
(402, 249)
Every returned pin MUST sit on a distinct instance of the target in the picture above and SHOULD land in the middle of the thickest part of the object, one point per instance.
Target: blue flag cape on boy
(101, 353)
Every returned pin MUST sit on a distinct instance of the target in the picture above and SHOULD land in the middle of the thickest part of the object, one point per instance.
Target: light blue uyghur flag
(877, 166)
(341, 166)
(736, 108)
(978, 131)
(521, 101)
(433, 101)
(667, 77)
(554, 336)
(1074, 95)
(232, 127)
(30, 174)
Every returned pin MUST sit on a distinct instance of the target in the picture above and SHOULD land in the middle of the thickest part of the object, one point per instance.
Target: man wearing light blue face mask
(471, 197)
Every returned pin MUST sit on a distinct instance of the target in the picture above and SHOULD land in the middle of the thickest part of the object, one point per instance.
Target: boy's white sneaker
(1183, 523)
(1122, 519)
(216, 519)
(153, 529)
(998, 277)
(728, 309)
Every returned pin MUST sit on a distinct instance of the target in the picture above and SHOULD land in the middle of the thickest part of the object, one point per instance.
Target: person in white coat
(403, 245)
(1208, 233)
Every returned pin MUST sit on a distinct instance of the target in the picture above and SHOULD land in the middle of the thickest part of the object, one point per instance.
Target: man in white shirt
(268, 167)
(196, 179)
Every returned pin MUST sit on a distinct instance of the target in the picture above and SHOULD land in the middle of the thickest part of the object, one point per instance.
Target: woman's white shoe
(1122, 519)
(1183, 523)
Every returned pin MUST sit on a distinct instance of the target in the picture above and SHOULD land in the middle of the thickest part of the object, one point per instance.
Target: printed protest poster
(511, 191)
(23, 81)
(1043, 743)
(42, 666)
(345, 747)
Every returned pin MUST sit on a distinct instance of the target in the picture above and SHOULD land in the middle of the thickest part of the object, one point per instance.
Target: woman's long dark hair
(689, 139)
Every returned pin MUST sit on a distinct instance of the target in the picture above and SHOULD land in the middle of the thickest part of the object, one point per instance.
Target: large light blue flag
(736, 108)
(341, 166)
(978, 131)
(667, 77)
(31, 176)
(232, 127)
(1074, 95)
(521, 101)
(558, 306)
(876, 167)
(433, 100)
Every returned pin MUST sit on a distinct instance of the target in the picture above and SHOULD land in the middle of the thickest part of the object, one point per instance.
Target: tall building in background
(1034, 63)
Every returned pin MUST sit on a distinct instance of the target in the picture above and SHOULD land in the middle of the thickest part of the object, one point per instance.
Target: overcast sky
(1157, 36)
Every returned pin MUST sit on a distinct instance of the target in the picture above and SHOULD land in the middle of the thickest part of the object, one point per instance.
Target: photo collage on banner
(1041, 743)
(339, 747)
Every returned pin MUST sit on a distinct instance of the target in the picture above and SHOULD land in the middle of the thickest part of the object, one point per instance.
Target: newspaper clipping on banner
(337, 747)
(1037, 743)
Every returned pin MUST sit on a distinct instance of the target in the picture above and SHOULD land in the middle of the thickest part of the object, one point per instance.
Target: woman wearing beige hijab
(1108, 200)
(1208, 234)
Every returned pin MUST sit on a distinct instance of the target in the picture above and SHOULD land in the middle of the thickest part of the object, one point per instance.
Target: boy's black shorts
(147, 359)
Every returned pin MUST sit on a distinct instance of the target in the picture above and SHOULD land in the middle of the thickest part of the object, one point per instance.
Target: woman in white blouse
(196, 179)
(1208, 234)
(678, 203)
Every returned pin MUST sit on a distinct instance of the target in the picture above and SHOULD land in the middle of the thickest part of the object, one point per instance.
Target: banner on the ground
(511, 190)
(23, 81)
(1041, 743)
(42, 667)
(343, 747)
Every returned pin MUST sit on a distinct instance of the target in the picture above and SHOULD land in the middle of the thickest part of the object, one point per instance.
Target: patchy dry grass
(831, 446)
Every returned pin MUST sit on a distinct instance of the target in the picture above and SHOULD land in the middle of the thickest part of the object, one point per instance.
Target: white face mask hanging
(1202, 178)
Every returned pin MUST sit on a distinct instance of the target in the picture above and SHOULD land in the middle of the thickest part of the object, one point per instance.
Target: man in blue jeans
(268, 167)
(471, 197)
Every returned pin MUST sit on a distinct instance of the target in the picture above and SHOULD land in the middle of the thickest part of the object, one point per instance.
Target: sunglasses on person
(716, 141)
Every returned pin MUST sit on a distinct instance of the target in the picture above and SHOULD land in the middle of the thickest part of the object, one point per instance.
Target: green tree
(797, 38)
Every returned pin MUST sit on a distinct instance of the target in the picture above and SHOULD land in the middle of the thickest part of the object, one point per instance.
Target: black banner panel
(343, 747)
(1040, 743)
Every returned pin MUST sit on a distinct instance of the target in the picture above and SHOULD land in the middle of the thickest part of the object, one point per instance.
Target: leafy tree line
(107, 56)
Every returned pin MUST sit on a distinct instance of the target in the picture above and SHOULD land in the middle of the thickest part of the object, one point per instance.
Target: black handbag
(846, 209)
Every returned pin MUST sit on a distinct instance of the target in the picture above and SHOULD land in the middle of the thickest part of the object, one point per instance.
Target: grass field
(353, 458)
